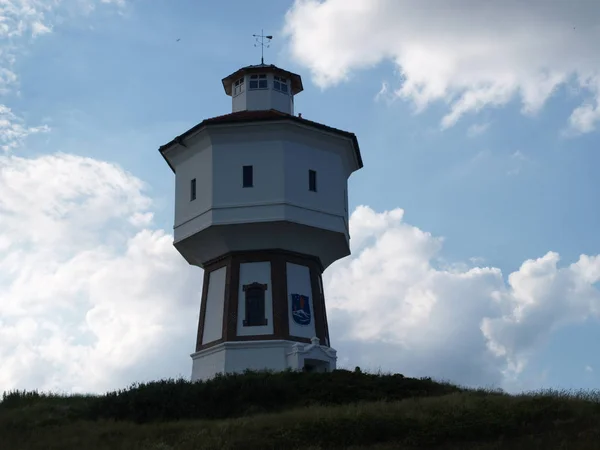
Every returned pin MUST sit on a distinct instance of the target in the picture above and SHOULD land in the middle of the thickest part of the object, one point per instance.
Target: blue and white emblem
(301, 309)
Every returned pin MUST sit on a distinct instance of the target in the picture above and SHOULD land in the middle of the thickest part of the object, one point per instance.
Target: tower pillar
(262, 310)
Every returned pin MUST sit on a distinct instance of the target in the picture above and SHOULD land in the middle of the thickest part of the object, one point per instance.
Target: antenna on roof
(262, 43)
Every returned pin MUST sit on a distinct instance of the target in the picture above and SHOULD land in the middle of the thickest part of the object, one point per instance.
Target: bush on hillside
(236, 395)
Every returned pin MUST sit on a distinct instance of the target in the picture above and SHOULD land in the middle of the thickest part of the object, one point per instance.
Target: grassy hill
(259, 410)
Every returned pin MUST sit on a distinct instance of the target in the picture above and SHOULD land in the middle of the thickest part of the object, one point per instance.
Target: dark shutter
(255, 305)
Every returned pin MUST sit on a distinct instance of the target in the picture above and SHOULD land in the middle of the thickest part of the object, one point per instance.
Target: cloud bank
(90, 296)
(93, 297)
(467, 53)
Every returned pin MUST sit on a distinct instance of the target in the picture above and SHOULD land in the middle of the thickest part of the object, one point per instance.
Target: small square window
(247, 176)
(193, 190)
(312, 180)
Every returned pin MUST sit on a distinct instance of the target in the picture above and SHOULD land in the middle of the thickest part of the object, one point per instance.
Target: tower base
(275, 355)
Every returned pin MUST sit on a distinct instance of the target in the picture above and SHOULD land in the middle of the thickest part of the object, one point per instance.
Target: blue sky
(500, 185)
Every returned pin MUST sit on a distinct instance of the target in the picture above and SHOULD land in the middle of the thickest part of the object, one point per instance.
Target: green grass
(301, 411)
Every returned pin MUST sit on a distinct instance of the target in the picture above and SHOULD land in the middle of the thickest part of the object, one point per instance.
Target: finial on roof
(262, 44)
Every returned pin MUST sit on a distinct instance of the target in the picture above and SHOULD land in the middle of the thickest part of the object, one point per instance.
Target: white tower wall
(195, 164)
(213, 320)
(281, 156)
(266, 156)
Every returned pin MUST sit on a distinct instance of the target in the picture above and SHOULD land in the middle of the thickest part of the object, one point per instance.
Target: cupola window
(238, 86)
(280, 84)
(258, 81)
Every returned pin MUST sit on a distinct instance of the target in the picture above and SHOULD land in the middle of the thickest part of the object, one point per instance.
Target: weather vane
(262, 43)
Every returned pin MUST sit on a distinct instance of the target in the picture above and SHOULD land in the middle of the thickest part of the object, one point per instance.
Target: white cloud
(584, 118)
(466, 53)
(13, 131)
(477, 129)
(542, 298)
(88, 300)
(519, 160)
(384, 93)
(394, 305)
(93, 299)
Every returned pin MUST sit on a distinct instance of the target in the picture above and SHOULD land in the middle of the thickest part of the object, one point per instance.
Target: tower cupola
(262, 87)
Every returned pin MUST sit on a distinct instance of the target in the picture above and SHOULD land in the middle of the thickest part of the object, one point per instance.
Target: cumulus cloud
(467, 53)
(393, 306)
(92, 297)
(89, 300)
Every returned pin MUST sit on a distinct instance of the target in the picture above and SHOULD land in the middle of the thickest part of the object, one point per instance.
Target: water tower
(261, 204)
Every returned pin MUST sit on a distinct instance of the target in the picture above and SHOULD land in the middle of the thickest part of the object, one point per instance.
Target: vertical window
(238, 87)
(280, 84)
(247, 176)
(193, 190)
(312, 180)
(254, 303)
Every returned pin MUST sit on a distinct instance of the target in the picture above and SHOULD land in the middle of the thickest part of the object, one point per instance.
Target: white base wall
(275, 355)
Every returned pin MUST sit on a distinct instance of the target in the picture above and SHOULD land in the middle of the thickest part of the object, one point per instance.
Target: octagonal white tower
(261, 204)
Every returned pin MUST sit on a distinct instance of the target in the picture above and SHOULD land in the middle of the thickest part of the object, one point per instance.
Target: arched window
(254, 305)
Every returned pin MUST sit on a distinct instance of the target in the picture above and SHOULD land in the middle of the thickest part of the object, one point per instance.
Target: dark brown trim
(230, 314)
(278, 260)
(204, 297)
(266, 255)
(322, 290)
(281, 325)
(207, 271)
(317, 305)
(210, 344)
